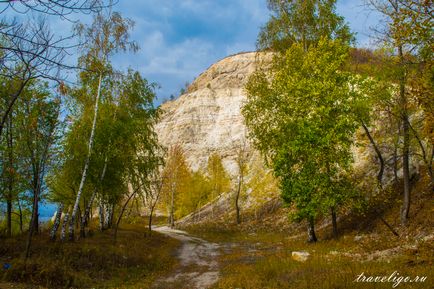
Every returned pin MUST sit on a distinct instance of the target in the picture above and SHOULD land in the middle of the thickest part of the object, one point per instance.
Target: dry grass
(134, 261)
(262, 259)
(321, 271)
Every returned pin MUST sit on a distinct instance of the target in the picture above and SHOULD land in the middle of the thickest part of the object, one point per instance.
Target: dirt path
(199, 268)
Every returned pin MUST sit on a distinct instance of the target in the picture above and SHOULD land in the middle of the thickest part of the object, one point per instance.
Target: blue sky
(179, 39)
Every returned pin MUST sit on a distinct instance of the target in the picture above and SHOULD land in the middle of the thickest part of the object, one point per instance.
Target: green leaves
(302, 21)
(302, 117)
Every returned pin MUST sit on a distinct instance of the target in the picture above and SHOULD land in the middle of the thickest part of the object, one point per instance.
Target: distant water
(46, 211)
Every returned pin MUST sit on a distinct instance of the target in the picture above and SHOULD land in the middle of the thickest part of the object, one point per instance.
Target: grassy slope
(134, 261)
(262, 259)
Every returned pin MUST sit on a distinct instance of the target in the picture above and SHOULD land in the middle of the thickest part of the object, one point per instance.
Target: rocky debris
(301, 256)
(358, 238)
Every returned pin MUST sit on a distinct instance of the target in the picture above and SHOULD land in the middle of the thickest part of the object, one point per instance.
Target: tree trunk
(101, 216)
(406, 173)
(378, 152)
(85, 220)
(395, 165)
(64, 225)
(82, 224)
(430, 167)
(150, 222)
(56, 223)
(311, 237)
(33, 220)
(121, 213)
(389, 226)
(335, 223)
(9, 217)
(428, 162)
(20, 215)
(86, 165)
(9, 107)
(36, 209)
(108, 216)
(9, 195)
(172, 219)
(237, 197)
(112, 215)
(406, 145)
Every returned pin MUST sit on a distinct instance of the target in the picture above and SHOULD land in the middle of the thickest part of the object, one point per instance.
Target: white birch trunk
(63, 231)
(86, 165)
(92, 198)
(56, 224)
(107, 216)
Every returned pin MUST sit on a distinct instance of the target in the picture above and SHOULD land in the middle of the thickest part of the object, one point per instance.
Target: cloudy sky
(179, 39)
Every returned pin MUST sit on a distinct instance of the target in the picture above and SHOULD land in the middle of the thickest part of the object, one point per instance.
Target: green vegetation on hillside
(303, 113)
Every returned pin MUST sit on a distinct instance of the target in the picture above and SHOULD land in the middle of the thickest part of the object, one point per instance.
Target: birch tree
(106, 36)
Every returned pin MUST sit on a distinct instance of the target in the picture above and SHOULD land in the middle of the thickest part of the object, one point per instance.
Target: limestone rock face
(208, 117)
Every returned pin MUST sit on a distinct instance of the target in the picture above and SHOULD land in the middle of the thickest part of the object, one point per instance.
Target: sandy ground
(198, 266)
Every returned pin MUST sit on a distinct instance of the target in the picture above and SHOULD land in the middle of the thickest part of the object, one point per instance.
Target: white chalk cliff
(207, 118)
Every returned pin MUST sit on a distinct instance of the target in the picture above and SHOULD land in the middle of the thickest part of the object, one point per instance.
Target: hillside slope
(207, 118)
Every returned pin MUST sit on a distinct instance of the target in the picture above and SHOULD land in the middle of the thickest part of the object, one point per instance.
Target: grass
(134, 261)
(263, 260)
(280, 271)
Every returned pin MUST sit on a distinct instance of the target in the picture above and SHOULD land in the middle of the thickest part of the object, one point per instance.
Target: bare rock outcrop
(208, 117)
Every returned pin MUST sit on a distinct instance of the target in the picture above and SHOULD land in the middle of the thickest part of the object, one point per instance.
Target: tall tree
(145, 162)
(294, 107)
(176, 175)
(106, 36)
(39, 123)
(303, 121)
(408, 31)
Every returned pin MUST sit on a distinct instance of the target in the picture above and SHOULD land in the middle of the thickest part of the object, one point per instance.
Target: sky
(179, 39)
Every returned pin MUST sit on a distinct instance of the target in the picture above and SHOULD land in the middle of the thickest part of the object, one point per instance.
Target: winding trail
(199, 268)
